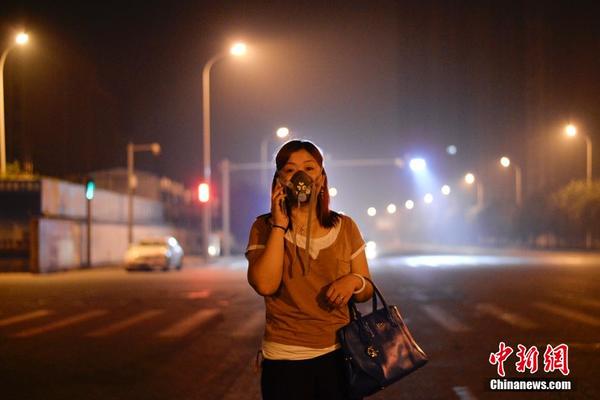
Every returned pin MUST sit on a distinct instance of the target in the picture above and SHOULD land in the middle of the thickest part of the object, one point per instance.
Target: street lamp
(470, 180)
(505, 162)
(281, 133)
(20, 40)
(132, 182)
(571, 131)
(238, 49)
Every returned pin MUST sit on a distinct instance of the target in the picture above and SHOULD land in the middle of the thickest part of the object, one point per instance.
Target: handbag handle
(356, 315)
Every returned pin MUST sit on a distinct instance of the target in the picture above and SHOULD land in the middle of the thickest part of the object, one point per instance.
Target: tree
(579, 205)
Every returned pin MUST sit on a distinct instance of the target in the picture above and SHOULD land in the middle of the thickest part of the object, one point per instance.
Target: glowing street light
(391, 208)
(469, 178)
(409, 204)
(505, 162)
(417, 164)
(237, 50)
(281, 133)
(332, 192)
(20, 40)
(445, 190)
(372, 211)
(451, 150)
(428, 198)
(571, 130)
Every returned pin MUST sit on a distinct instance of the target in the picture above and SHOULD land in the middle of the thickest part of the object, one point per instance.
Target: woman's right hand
(278, 212)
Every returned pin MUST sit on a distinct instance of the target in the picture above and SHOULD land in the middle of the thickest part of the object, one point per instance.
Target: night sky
(362, 79)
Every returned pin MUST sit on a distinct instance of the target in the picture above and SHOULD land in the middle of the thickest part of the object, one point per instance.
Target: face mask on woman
(299, 187)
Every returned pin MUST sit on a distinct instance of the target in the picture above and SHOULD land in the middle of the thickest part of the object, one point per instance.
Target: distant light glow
(372, 211)
(22, 38)
(212, 250)
(391, 208)
(409, 204)
(172, 241)
(371, 250)
(505, 162)
(333, 192)
(282, 132)
(238, 49)
(203, 192)
(451, 149)
(571, 130)
(418, 164)
(155, 148)
(428, 198)
(470, 178)
(445, 190)
(90, 187)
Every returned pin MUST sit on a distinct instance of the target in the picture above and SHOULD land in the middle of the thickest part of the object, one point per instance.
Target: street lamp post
(21, 39)
(505, 162)
(281, 133)
(132, 182)
(237, 49)
(470, 179)
(571, 131)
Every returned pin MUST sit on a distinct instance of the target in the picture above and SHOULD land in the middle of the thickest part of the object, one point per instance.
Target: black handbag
(378, 348)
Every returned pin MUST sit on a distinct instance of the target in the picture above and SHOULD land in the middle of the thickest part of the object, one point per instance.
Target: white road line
(569, 313)
(24, 317)
(61, 323)
(124, 324)
(510, 318)
(583, 302)
(188, 324)
(252, 325)
(464, 393)
(446, 320)
(199, 294)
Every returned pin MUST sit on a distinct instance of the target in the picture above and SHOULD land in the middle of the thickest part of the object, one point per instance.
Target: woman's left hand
(341, 290)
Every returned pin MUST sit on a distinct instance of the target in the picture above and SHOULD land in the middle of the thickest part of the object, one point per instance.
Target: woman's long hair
(326, 217)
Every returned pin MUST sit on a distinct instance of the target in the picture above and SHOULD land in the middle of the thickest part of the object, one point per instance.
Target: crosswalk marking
(198, 294)
(251, 326)
(583, 302)
(188, 324)
(569, 313)
(61, 323)
(446, 320)
(24, 317)
(124, 324)
(510, 318)
(464, 393)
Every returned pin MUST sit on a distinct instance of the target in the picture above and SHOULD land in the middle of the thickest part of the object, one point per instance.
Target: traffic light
(203, 192)
(90, 187)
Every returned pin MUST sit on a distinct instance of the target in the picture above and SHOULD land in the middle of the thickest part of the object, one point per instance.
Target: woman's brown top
(298, 313)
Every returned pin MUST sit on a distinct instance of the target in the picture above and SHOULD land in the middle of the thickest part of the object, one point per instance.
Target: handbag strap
(356, 315)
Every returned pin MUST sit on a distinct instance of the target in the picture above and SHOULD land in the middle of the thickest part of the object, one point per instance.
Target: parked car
(155, 253)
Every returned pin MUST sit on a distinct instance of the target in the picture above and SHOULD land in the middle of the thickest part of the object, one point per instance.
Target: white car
(155, 253)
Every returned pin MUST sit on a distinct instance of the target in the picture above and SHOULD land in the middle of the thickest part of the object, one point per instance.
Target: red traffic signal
(203, 192)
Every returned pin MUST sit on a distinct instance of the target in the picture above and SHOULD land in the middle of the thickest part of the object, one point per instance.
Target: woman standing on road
(307, 262)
